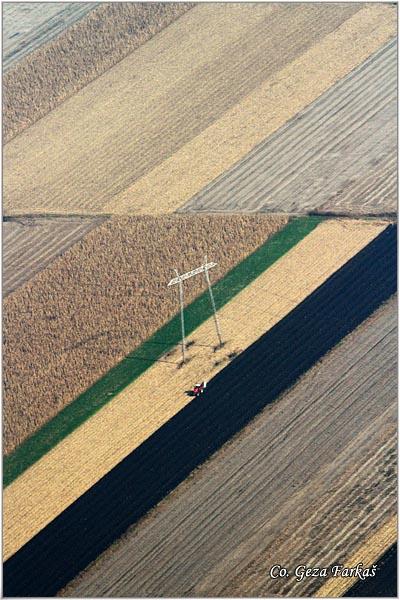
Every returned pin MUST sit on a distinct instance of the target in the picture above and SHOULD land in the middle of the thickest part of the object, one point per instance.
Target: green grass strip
(163, 340)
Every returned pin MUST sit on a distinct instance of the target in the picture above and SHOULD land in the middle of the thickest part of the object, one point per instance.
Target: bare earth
(30, 244)
(140, 112)
(28, 25)
(340, 153)
(368, 553)
(56, 70)
(92, 306)
(289, 483)
(88, 453)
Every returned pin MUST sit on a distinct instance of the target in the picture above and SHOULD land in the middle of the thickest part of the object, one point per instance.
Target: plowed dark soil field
(233, 398)
(383, 584)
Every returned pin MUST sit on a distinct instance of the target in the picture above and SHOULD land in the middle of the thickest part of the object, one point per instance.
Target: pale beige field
(211, 104)
(74, 465)
(58, 69)
(258, 115)
(368, 554)
(75, 320)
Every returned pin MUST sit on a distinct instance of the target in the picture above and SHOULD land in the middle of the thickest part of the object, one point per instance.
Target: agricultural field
(219, 527)
(198, 89)
(100, 300)
(55, 71)
(143, 140)
(26, 25)
(343, 147)
(29, 245)
(191, 435)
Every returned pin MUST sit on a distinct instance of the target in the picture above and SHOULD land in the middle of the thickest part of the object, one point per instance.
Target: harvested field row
(120, 498)
(344, 513)
(28, 25)
(318, 160)
(384, 582)
(368, 554)
(103, 298)
(141, 408)
(259, 520)
(259, 114)
(31, 244)
(56, 71)
(112, 126)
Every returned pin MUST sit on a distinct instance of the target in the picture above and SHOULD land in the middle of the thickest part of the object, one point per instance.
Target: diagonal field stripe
(261, 113)
(158, 344)
(367, 554)
(62, 475)
(235, 396)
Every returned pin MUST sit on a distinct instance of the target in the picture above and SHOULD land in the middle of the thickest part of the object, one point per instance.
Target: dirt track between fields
(75, 320)
(89, 452)
(338, 154)
(62, 67)
(31, 244)
(137, 483)
(269, 497)
(229, 74)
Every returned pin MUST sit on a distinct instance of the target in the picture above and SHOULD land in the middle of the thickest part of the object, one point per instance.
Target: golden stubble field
(75, 320)
(50, 74)
(210, 94)
(88, 453)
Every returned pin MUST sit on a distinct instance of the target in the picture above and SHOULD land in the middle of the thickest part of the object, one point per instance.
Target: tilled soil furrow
(173, 532)
(136, 145)
(324, 138)
(144, 477)
(30, 246)
(305, 261)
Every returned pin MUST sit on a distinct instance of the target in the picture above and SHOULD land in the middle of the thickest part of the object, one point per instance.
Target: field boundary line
(163, 340)
(138, 482)
(368, 553)
(168, 186)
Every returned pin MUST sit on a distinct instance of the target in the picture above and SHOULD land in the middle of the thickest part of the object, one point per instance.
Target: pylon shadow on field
(150, 359)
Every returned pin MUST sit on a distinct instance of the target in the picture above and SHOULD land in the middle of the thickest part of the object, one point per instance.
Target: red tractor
(199, 388)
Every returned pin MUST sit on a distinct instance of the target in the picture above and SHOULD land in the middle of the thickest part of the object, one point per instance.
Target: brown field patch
(60, 68)
(76, 319)
(82, 458)
(110, 144)
(308, 480)
(30, 244)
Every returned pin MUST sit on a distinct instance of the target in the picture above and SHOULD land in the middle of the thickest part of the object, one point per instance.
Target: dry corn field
(50, 74)
(135, 160)
(72, 322)
(29, 245)
(140, 138)
(29, 25)
(80, 460)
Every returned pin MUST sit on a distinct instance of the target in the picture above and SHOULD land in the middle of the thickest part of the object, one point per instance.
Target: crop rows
(100, 300)
(188, 170)
(29, 245)
(150, 394)
(28, 26)
(344, 140)
(126, 147)
(143, 478)
(41, 81)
